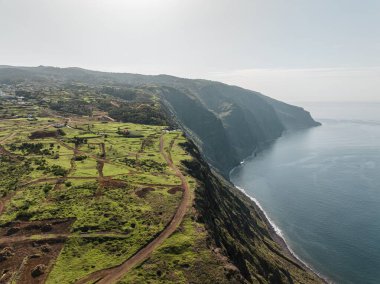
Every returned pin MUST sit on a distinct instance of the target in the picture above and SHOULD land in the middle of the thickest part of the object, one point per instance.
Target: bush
(58, 171)
(80, 158)
(47, 188)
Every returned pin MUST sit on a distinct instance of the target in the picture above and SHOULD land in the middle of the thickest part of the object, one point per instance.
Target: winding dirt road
(114, 274)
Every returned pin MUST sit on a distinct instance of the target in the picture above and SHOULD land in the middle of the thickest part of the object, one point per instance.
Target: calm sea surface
(321, 188)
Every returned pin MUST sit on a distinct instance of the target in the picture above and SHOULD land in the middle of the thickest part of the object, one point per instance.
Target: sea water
(321, 188)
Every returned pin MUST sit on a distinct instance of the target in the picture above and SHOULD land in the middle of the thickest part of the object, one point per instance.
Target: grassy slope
(185, 257)
(117, 210)
(223, 239)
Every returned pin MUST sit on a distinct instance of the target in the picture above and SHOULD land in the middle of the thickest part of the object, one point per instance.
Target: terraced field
(84, 200)
(94, 188)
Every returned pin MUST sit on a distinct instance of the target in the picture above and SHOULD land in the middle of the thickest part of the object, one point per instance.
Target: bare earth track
(114, 274)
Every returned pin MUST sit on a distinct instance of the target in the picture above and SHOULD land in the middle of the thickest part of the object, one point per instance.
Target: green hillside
(104, 179)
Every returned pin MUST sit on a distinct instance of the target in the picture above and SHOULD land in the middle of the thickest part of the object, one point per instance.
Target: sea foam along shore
(279, 236)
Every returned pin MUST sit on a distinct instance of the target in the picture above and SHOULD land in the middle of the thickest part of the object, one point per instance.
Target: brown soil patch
(5, 152)
(142, 192)
(30, 260)
(45, 134)
(19, 260)
(4, 200)
(111, 183)
(175, 189)
(29, 228)
(99, 167)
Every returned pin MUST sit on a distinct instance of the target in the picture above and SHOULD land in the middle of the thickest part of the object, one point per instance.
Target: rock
(232, 271)
(46, 228)
(6, 253)
(46, 248)
(39, 270)
(12, 231)
(185, 265)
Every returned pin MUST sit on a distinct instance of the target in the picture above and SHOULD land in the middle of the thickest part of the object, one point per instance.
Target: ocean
(320, 188)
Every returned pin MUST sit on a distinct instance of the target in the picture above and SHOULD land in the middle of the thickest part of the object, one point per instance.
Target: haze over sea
(321, 188)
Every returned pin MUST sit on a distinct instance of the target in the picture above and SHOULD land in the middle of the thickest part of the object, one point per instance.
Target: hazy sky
(293, 50)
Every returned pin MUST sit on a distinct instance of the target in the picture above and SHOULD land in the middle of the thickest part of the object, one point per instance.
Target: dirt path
(101, 179)
(72, 162)
(171, 146)
(110, 118)
(100, 162)
(4, 200)
(4, 151)
(115, 104)
(107, 178)
(60, 181)
(114, 274)
(8, 137)
(56, 180)
(18, 239)
(86, 154)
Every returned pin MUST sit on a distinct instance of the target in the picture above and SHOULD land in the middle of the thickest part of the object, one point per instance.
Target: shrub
(47, 188)
(58, 170)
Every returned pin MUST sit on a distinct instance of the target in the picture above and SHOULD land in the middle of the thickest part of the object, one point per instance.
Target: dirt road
(114, 274)
(8, 137)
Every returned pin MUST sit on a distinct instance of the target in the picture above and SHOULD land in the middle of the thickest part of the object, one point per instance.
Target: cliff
(240, 229)
(227, 123)
(224, 124)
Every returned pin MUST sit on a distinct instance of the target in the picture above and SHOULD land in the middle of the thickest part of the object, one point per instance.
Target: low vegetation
(103, 161)
(95, 172)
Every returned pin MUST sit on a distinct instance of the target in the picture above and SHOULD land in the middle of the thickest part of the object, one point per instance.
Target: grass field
(117, 187)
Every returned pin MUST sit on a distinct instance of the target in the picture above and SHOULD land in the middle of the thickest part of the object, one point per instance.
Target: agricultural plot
(112, 181)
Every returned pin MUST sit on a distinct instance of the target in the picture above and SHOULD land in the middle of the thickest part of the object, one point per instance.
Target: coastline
(278, 236)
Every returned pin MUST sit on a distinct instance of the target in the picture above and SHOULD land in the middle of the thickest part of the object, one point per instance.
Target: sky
(291, 50)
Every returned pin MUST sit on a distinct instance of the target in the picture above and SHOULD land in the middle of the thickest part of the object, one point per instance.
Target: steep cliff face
(239, 121)
(205, 128)
(292, 117)
(238, 227)
(227, 123)
(248, 120)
